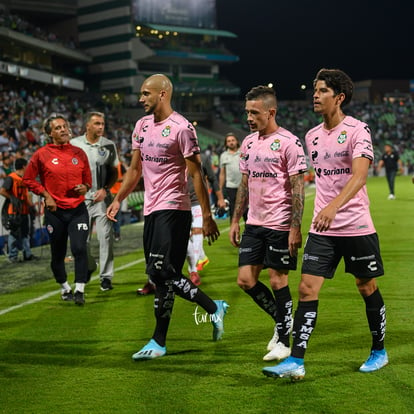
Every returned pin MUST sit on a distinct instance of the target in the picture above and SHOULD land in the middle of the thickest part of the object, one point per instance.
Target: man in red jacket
(64, 178)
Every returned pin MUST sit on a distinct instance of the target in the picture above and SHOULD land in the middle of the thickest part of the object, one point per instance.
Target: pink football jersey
(269, 161)
(164, 147)
(331, 154)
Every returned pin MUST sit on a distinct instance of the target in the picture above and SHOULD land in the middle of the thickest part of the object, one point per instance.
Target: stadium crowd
(19, 24)
(22, 113)
(390, 122)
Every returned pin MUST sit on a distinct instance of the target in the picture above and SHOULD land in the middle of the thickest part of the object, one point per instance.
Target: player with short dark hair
(272, 164)
(341, 153)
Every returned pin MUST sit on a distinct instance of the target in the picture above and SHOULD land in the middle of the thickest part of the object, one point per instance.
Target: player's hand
(295, 241)
(99, 195)
(324, 218)
(234, 234)
(81, 189)
(112, 210)
(210, 230)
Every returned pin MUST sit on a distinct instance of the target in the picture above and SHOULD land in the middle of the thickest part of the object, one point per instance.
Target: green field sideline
(56, 357)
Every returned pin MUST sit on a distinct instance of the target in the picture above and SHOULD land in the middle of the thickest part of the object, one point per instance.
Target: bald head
(159, 82)
(156, 94)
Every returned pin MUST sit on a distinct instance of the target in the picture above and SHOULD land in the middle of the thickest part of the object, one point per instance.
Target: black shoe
(31, 257)
(67, 295)
(106, 284)
(79, 298)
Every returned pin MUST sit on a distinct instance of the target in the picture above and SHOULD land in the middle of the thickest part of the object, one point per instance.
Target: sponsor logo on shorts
(245, 250)
(274, 249)
(356, 259)
(307, 256)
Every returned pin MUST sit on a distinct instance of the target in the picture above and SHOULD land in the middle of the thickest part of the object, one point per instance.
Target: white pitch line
(55, 292)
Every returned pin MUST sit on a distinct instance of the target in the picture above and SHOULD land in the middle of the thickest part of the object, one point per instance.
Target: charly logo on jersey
(75, 161)
(55, 161)
(275, 145)
(244, 156)
(166, 131)
(137, 138)
(342, 137)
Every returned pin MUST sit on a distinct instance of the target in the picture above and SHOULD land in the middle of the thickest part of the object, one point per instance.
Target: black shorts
(260, 245)
(166, 235)
(361, 255)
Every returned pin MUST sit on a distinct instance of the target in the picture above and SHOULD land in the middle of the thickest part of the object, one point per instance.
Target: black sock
(186, 289)
(262, 295)
(375, 310)
(284, 313)
(303, 326)
(163, 305)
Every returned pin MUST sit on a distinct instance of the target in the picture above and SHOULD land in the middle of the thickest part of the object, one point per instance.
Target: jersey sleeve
(31, 173)
(296, 159)
(136, 142)
(362, 146)
(188, 141)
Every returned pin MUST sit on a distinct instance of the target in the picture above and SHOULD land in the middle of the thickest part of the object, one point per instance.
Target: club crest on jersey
(75, 161)
(166, 131)
(275, 145)
(342, 137)
(101, 151)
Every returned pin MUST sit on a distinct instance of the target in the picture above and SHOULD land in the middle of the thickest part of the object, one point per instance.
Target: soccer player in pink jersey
(341, 153)
(272, 164)
(165, 148)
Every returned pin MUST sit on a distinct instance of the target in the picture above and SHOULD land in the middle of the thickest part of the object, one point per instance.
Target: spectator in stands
(4, 139)
(165, 150)
(8, 163)
(64, 178)
(393, 164)
(103, 160)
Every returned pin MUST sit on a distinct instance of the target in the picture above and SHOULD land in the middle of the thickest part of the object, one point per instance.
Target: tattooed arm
(242, 200)
(298, 201)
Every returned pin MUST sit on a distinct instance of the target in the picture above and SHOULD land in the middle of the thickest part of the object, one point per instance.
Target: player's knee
(245, 283)
(308, 291)
(366, 287)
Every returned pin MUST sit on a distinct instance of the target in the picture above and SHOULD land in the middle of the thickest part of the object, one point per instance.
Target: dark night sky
(287, 42)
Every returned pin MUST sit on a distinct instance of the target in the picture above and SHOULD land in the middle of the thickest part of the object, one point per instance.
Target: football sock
(262, 295)
(163, 306)
(66, 287)
(192, 256)
(376, 315)
(186, 289)
(303, 325)
(284, 305)
(198, 246)
(80, 287)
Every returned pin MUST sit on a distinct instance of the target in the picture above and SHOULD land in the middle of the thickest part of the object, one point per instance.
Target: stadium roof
(191, 30)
